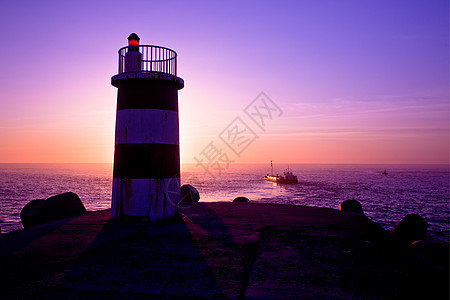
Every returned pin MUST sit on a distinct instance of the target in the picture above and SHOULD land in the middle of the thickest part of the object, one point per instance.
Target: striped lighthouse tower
(146, 176)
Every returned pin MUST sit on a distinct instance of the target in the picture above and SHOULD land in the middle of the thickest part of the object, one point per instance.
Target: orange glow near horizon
(285, 141)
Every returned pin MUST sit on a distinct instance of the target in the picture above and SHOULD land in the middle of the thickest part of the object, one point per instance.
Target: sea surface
(386, 199)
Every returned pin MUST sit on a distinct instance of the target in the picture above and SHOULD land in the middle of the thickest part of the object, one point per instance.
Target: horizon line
(235, 163)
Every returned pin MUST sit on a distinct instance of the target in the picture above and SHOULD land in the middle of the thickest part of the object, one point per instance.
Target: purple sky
(357, 81)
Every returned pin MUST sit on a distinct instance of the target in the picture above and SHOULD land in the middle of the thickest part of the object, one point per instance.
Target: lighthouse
(146, 175)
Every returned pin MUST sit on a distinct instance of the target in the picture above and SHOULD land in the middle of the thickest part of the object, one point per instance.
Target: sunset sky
(355, 81)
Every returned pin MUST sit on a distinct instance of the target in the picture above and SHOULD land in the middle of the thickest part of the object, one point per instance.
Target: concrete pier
(216, 250)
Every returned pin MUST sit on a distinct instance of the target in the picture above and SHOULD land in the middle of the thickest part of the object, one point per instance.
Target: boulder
(241, 199)
(58, 207)
(352, 206)
(31, 214)
(411, 228)
(189, 194)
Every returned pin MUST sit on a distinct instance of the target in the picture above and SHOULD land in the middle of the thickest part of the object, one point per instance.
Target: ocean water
(386, 199)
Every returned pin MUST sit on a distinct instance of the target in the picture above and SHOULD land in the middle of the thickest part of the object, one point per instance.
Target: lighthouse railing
(153, 59)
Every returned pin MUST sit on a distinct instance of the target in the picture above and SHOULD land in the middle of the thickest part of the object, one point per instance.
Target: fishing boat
(287, 178)
(384, 172)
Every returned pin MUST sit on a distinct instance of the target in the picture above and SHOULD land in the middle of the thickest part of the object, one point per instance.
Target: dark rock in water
(189, 194)
(411, 228)
(241, 199)
(352, 206)
(58, 207)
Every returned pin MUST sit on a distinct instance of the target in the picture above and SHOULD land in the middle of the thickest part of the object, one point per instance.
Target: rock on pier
(216, 250)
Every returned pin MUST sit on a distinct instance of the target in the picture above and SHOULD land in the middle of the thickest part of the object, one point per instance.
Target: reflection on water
(422, 189)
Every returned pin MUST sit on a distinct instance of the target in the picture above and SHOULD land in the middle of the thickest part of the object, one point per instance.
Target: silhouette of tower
(146, 176)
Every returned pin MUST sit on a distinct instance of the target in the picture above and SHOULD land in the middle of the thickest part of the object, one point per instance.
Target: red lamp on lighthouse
(133, 58)
(133, 40)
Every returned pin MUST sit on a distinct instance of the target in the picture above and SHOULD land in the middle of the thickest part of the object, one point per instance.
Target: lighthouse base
(148, 199)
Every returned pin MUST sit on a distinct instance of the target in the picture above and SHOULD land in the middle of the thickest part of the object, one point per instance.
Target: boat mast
(271, 167)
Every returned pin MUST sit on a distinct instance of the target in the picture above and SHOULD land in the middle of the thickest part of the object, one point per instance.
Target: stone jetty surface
(216, 250)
